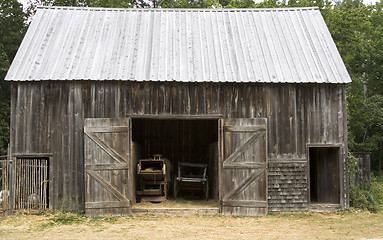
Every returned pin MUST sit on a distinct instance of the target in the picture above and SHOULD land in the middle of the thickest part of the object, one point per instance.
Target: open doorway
(324, 175)
(179, 142)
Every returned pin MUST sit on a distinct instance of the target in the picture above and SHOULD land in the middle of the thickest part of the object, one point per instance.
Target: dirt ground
(303, 225)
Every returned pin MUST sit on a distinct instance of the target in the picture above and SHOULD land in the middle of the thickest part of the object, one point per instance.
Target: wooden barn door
(244, 177)
(108, 176)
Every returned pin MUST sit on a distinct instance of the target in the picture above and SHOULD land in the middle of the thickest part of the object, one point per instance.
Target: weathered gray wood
(287, 184)
(106, 205)
(243, 147)
(286, 160)
(47, 117)
(105, 147)
(109, 154)
(240, 203)
(24, 155)
(115, 129)
(106, 185)
(319, 145)
(107, 166)
(173, 116)
(28, 182)
(244, 167)
(244, 184)
(243, 128)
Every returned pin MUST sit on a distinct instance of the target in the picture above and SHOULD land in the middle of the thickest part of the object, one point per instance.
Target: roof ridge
(180, 9)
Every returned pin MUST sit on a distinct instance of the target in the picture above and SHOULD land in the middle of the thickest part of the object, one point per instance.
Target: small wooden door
(244, 176)
(108, 176)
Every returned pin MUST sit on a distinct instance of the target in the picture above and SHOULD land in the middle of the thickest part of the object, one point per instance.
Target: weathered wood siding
(47, 117)
(244, 166)
(288, 184)
(108, 169)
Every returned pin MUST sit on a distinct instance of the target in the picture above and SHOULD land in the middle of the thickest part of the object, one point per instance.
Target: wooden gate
(31, 184)
(24, 182)
(244, 176)
(108, 176)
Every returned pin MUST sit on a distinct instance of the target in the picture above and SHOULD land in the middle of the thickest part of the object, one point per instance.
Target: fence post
(4, 188)
(11, 181)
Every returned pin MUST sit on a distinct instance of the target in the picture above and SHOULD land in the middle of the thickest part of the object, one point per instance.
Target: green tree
(11, 26)
(357, 31)
(375, 71)
(12, 29)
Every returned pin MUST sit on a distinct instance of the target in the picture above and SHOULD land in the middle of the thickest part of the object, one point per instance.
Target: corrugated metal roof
(190, 45)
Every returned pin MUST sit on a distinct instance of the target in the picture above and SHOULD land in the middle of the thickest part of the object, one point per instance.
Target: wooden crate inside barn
(152, 179)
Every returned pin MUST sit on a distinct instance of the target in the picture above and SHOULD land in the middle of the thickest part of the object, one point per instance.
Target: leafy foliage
(68, 218)
(12, 29)
(367, 195)
(11, 26)
(357, 32)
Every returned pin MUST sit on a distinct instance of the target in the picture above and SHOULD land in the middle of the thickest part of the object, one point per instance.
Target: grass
(362, 222)
(68, 218)
(367, 195)
(51, 219)
(289, 215)
(349, 224)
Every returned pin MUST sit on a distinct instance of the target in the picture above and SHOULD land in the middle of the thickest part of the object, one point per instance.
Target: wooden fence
(4, 184)
(362, 167)
(31, 185)
(24, 183)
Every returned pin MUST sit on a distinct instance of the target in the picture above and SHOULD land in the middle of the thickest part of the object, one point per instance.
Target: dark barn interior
(324, 175)
(187, 141)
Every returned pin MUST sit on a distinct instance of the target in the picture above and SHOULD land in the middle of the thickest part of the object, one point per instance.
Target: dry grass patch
(61, 225)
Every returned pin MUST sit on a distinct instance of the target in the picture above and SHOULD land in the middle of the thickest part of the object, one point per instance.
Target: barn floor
(179, 204)
(178, 207)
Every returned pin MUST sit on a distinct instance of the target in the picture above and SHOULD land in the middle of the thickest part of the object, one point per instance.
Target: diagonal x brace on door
(243, 148)
(244, 184)
(105, 147)
(106, 185)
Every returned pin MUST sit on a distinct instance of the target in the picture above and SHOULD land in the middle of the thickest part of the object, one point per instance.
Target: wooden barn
(256, 95)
